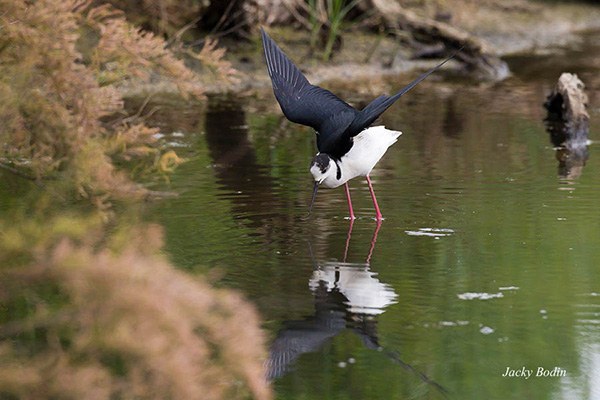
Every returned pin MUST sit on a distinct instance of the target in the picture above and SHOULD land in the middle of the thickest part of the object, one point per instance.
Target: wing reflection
(308, 335)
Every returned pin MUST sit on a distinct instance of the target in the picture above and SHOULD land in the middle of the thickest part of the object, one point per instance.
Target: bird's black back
(304, 103)
(335, 121)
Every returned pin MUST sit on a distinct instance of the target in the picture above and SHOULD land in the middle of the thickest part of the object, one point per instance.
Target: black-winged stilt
(348, 146)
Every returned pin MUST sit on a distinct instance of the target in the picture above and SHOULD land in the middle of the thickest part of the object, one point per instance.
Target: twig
(219, 34)
(36, 181)
(16, 172)
(150, 113)
(363, 20)
(375, 46)
(232, 29)
(179, 33)
(138, 114)
(300, 18)
(223, 17)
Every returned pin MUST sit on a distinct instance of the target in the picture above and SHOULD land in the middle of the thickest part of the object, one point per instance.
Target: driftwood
(568, 124)
(426, 32)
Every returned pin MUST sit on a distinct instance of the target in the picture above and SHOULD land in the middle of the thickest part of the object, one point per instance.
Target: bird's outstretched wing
(370, 113)
(302, 102)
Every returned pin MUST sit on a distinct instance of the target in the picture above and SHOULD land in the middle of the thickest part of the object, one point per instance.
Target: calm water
(486, 259)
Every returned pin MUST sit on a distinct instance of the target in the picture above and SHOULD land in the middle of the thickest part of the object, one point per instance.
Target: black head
(321, 161)
(320, 169)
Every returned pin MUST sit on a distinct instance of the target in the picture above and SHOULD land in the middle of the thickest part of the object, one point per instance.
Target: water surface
(487, 258)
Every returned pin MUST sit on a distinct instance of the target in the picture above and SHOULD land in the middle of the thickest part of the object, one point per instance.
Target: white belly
(368, 148)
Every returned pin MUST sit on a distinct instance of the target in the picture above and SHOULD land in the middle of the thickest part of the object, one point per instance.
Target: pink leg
(352, 217)
(379, 216)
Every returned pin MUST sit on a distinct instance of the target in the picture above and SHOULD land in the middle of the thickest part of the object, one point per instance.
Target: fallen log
(427, 31)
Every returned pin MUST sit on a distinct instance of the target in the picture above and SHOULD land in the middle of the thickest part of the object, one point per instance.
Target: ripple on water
(479, 296)
(431, 232)
(486, 330)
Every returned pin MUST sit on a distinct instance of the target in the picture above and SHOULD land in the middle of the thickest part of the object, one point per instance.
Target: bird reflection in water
(346, 296)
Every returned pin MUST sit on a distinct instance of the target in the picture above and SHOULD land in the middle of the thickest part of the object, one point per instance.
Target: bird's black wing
(370, 113)
(302, 102)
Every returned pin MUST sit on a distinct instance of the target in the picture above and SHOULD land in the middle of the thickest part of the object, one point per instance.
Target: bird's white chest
(368, 148)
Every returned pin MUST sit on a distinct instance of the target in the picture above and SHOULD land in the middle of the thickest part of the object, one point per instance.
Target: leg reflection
(348, 240)
(373, 242)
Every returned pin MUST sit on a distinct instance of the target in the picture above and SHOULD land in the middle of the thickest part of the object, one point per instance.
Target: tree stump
(568, 124)
(568, 120)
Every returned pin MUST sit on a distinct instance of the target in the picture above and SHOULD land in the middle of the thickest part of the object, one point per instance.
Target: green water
(473, 203)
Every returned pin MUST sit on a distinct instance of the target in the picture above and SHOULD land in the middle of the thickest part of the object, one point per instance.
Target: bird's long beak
(313, 198)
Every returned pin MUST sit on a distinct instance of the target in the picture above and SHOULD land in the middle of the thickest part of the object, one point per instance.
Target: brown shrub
(84, 313)
(61, 63)
(126, 325)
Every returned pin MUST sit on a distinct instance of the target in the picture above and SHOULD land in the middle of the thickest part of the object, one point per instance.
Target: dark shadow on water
(228, 144)
(571, 149)
(571, 161)
(568, 137)
(236, 165)
(453, 120)
(346, 296)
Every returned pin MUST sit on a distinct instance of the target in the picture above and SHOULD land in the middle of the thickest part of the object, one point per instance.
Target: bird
(348, 145)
